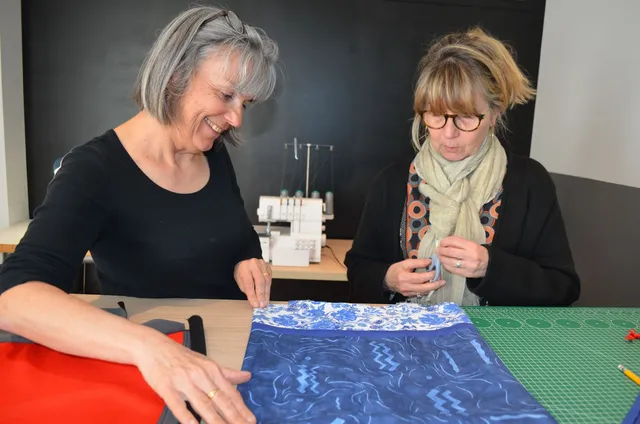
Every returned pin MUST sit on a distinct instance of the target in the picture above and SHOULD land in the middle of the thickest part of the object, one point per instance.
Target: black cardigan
(530, 262)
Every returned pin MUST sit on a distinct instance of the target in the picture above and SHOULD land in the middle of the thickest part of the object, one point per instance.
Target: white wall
(587, 115)
(13, 168)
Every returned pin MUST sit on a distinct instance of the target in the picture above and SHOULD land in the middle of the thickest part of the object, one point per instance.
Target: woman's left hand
(463, 257)
(254, 279)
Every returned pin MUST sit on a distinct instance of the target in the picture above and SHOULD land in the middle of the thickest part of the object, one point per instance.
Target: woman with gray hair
(156, 202)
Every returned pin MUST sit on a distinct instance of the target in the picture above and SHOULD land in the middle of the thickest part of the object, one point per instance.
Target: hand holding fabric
(402, 279)
(177, 373)
(463, 257)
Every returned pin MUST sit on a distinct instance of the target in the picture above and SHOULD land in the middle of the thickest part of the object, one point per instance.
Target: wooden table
(226, 322)
(10, 236)
(566, 357)
(330, 268)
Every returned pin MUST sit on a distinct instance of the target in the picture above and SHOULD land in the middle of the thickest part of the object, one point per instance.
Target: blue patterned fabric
(633, 416)
(338, 363)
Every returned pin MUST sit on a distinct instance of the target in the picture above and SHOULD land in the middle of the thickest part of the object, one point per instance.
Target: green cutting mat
(567, 357)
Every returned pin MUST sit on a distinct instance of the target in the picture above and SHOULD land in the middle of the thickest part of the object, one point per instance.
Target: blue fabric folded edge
(369, 333)
(633, 416)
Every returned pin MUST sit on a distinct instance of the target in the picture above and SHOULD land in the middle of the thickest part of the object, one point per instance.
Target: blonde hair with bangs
(459, 67)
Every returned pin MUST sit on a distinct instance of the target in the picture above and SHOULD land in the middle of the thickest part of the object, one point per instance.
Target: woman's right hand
(177, 373)
(402, 279)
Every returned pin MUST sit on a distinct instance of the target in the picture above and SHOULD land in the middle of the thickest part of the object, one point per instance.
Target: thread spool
(315, 194)
(284, 193)
(299, 194)
(328, 200)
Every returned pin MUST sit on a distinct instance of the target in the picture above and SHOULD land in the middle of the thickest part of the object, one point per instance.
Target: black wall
(348, 70)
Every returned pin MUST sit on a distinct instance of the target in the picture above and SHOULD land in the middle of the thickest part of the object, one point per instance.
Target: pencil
(629, 374)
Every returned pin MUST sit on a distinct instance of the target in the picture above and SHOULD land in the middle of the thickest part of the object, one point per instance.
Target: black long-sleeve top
(530, 261)
(145, 241)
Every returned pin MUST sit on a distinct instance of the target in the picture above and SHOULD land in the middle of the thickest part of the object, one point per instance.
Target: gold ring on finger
(212, 393)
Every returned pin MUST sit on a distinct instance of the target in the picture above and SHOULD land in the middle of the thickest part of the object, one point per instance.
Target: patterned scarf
(457, 192)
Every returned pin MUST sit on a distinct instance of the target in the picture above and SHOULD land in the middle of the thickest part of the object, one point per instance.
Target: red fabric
(40, 385)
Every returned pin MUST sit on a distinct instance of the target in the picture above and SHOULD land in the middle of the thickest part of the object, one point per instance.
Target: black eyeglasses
(232, 19)
(466, 123)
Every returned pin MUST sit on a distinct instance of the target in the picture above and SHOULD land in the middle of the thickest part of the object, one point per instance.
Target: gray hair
(185, 42)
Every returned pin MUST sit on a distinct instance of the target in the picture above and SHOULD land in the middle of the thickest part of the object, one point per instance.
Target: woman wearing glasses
(490, 217)
(156, 202)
